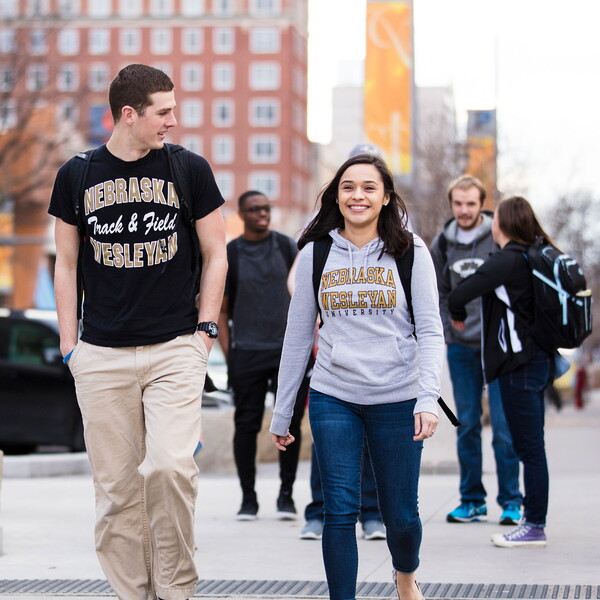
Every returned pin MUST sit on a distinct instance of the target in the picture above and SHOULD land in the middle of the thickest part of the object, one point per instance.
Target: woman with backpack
(511, 355)
(374, 382)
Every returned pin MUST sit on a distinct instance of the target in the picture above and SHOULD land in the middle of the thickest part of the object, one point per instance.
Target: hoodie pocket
(375, 361)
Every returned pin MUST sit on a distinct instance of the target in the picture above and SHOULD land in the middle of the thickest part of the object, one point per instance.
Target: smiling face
(361, 196)
(150, 129)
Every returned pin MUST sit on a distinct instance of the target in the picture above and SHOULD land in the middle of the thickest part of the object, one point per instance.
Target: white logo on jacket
(466, 266)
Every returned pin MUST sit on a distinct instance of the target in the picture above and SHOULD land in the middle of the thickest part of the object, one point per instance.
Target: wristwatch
(209, 327)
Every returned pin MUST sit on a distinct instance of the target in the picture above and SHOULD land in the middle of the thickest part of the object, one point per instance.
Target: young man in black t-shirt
(255, 304)
(140, 363)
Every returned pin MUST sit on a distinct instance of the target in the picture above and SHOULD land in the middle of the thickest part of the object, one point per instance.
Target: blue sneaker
(467, 512)
(511, 515)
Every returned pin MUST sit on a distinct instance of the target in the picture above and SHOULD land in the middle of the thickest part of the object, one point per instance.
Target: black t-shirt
(262, 299)
(137, 263)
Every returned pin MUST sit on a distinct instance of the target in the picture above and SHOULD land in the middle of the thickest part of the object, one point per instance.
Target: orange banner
(388, 106)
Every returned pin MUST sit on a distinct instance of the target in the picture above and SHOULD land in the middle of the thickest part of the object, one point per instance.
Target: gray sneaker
(312, 530)
(374, 530)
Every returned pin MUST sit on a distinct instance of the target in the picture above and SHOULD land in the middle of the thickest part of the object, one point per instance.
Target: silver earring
(337, 200)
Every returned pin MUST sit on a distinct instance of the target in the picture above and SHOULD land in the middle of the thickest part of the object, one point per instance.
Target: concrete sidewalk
(48, 531)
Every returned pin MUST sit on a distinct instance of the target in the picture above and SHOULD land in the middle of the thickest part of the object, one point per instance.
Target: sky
(536, 61)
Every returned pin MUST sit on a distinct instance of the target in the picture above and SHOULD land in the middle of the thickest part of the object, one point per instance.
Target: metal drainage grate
(313, 589)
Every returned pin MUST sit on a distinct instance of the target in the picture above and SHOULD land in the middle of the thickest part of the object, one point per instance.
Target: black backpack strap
(232, 273)
(79, 168)
(283, 241)
(404, 265)
(179, 165)
(321, 250)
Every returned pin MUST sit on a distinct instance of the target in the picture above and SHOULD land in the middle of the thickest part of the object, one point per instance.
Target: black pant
(252, 373)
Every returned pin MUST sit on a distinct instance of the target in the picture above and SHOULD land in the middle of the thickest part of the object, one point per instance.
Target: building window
(192, 41)
(99, 8)
(265, 76)
(68, 9)
(8, 115)
(192, 8)
(223, 113)
(263, 149)
(223, 40)
(194, 143)
(264, 112)
(192, 77)
(266, 182)
(298, 117)
(265, 40)
(7, 41)
(9, 9)
(98, 77)
(130, 8)
(161, 41)
(161, 8)
(67, 79)
(68, 42)
(37, 42)
(7, 79)
(99, 41)
(37, 77)
(223, 149)
(299, 82)
(67, 111)
(223, 79)
(265, 8)
(225, 182)
(223, 8)
(191, 113)
(131, 41)
(37, 8)
(165, 67)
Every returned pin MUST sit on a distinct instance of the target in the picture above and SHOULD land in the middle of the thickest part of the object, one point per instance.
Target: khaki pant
(141, 414)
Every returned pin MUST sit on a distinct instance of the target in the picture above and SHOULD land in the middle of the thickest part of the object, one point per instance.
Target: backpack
(178, 165)
(563, 304)
(404, 265)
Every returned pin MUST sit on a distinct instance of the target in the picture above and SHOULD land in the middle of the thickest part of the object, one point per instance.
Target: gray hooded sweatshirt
(457, 262)
(367, 351)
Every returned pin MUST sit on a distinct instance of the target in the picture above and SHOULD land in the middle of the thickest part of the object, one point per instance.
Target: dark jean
(369, 509)
(340, 431)
(467, 383)
(523, 400)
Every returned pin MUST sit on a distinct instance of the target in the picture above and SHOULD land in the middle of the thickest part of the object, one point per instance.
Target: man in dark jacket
(252, 325)
(462, 247)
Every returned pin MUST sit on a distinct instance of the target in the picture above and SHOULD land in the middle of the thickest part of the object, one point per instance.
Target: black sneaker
(247, 511)
(286, 510)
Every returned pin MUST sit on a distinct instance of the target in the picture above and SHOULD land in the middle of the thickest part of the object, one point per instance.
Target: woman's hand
(458, 325)
(425, 426)
(281, 441)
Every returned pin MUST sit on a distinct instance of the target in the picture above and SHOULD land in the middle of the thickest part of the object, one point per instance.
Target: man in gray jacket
(464, 244)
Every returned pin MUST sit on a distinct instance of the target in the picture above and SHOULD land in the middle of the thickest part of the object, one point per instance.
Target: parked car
(38, 406)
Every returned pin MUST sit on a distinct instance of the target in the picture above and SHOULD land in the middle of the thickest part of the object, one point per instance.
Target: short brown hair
(464, 182)
(133, 86)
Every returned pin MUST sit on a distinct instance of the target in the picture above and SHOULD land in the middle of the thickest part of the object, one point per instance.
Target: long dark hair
(518, 222)
(391, 225)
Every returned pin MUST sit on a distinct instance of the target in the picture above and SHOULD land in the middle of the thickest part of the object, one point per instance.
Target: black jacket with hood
(505, 283)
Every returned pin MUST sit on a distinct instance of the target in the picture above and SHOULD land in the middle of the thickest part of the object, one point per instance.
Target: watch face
(212, 329)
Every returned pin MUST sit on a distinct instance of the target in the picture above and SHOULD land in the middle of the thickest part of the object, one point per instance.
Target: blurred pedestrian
(140, 363)
(374, 382)
(463, 246)
(252, 323)
(511, 355)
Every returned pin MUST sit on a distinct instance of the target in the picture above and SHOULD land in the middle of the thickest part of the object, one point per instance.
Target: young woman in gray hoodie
(376, 380)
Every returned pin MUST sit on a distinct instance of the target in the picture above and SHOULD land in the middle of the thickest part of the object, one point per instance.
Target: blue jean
(369, 509)
(340, 431)
(467, 382)
(523, 400)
